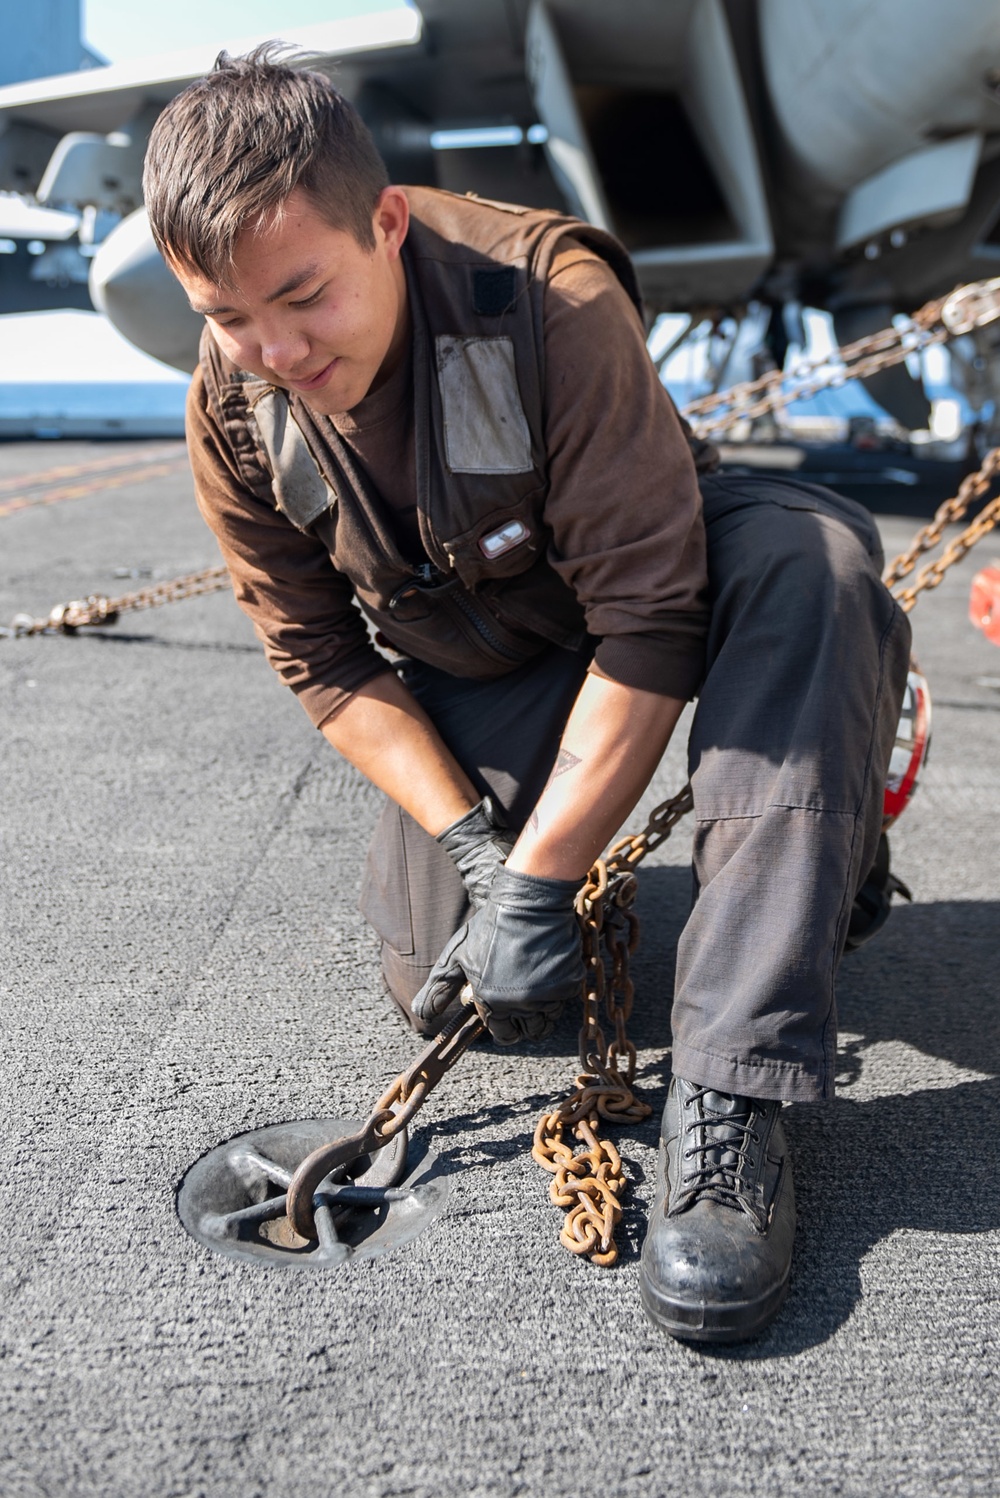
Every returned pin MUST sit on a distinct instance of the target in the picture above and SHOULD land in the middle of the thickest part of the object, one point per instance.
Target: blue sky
(122, 29)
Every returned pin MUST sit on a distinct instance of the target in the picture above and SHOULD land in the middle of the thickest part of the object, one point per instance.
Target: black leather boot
(718, 1250)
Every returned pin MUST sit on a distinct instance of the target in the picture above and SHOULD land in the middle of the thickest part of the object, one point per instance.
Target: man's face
(308, 308)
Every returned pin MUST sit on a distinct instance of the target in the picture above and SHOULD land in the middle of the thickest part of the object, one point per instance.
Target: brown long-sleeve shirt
(622, 507)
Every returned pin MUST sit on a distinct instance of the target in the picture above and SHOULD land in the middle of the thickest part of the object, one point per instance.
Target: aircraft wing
(100, 99)
(53, 131)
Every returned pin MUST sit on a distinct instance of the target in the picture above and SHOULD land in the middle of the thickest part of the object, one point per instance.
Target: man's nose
(284, 350)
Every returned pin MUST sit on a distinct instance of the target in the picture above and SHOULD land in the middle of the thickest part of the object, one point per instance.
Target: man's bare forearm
(385, 733)
(612, 743)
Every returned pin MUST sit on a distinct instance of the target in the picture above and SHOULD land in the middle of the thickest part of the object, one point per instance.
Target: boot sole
(735, 1321)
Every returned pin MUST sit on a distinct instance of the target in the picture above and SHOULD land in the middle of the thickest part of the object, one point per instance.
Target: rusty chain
(399, 1102)
(933, 573)
(390, 1115)
(67, 618)
(589, 1183)
(963, 310)
(972, 488)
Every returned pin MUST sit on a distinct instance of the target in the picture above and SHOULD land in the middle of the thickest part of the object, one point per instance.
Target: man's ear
(391, 219)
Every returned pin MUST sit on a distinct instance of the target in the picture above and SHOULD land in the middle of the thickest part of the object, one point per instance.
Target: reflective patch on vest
(485, 428)
(503, 540)
(300, 490)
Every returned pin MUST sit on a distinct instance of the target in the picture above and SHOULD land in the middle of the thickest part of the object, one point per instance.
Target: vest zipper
(474, 617)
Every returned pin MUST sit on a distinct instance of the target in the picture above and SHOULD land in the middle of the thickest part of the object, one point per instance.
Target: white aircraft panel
(101, 99)
(926, 187)
(567, 146)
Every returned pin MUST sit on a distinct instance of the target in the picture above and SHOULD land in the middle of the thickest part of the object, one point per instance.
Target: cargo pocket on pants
(411, 891)
(385, 888)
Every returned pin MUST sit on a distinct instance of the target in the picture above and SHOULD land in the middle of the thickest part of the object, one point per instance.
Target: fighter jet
(841, 154)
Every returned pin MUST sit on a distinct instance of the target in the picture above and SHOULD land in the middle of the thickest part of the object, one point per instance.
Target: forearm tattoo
(565, 760)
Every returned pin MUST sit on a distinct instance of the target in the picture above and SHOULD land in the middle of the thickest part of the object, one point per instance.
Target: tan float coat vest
(476, 276)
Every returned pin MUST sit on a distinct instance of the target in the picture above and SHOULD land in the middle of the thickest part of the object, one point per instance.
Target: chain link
(930, 576)
(391, 1114)
(966, 308)
(400, 1102)
(971, 489)
(969, 307)
(589, 1183)
(67, 618)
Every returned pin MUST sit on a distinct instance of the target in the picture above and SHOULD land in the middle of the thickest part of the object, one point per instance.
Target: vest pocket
(504, 543)
(484, 631)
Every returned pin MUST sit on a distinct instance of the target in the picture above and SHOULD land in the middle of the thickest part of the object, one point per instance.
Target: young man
(442, 410)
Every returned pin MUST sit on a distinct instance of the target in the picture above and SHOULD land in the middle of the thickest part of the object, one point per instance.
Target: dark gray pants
(807, 659)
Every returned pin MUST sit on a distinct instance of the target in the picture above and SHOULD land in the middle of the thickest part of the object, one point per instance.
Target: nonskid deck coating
(183, 961)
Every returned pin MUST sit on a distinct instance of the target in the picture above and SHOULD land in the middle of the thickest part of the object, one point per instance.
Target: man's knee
(796, 567)
(732, 500)
(807, 662)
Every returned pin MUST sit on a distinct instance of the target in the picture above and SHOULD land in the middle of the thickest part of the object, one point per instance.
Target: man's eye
(309, 301)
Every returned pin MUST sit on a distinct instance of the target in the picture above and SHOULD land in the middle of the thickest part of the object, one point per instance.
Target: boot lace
(724, 1149)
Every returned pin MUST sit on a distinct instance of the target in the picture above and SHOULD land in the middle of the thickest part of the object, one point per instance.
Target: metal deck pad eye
(233, 1199)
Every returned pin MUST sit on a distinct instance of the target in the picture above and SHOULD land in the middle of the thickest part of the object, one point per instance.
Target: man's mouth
(314, 382)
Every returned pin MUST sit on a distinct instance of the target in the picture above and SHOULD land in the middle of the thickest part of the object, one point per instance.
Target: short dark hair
(227, 151)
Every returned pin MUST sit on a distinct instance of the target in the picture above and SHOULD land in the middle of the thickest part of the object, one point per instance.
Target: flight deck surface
(183, 961)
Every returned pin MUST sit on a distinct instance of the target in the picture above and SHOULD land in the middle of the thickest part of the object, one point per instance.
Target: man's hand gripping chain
(589, 1184)
(520, 951)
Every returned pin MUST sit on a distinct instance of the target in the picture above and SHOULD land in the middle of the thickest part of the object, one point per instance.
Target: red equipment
(984, 602)
(913, 738)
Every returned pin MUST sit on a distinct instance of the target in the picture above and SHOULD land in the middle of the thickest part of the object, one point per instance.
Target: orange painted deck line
(92, 486)
(74, 470)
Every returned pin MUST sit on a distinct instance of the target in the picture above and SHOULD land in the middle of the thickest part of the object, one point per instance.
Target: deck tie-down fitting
(589, 1179)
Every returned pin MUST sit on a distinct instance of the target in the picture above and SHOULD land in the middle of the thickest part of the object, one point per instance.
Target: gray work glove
(521, 953)
(477, 845)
